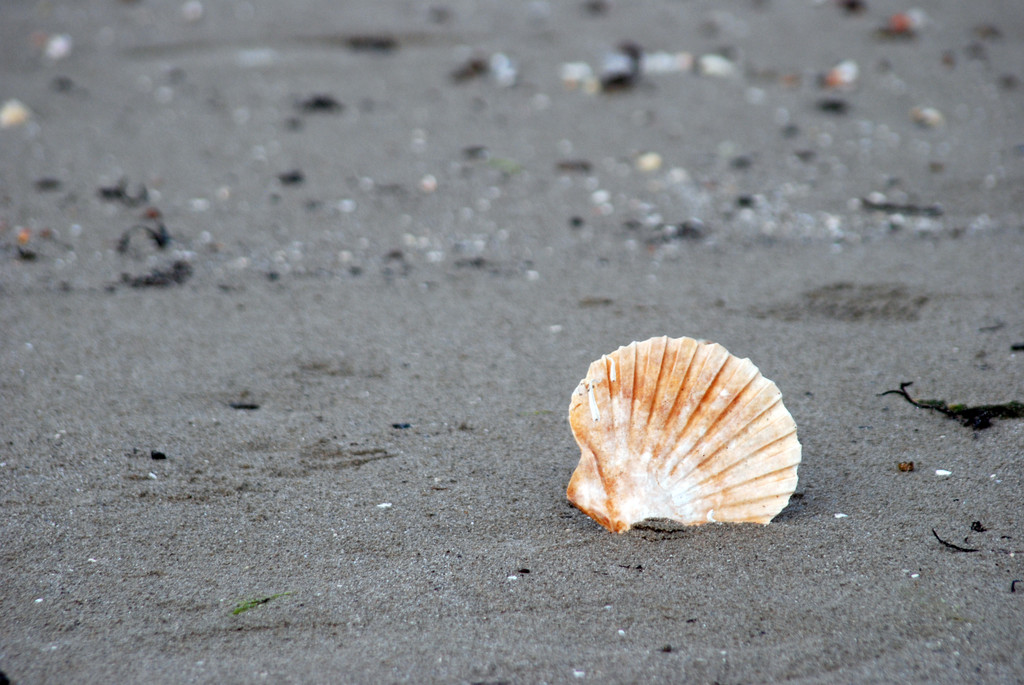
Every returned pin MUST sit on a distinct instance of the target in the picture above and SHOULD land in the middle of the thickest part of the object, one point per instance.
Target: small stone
(842, 76)
(58, 47)
(928, 117)
(14, 113)
(648, 162)
(428, 183)
(715, 65)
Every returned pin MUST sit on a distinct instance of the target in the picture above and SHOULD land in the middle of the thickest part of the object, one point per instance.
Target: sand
(338, 375)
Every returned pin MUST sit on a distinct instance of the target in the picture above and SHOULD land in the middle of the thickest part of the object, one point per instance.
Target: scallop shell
(678, 428)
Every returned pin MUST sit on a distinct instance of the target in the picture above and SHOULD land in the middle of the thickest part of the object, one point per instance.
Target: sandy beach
(294, 296)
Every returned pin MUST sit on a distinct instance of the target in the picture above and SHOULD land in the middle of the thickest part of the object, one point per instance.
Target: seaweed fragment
(833, 106)
(291, 178)
(159, 235)
(573, 166)
(47, 184)
(319, 102)
(977, 417)
(957, 548)
(179, 272)
(245, 605)
(472, 68)
(119, 193)
(372, 43)
(897, 208)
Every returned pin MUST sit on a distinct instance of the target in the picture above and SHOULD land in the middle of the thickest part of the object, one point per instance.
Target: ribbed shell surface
(678, 428)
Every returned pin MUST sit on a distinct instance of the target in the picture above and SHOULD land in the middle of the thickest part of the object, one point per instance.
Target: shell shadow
(794, 511)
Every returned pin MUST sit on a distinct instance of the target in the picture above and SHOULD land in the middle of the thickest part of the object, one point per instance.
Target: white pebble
(928, 117)
(715, 65)
(428, 183)
(648, 162)
(58, 47)
(14, 113)
(573, 74)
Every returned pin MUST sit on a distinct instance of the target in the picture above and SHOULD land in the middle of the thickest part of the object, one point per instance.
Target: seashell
(678, 428)
(927, 117)
(842, 76)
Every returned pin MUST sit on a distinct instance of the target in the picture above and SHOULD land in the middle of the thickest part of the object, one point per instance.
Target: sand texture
(294, 297)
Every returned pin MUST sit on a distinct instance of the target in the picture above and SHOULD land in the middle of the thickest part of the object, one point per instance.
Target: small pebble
(575, 74)
(928, 117)
(428, 183)
(842, 76)
(14, 113)
(715, 65)
(58, 47)
(648, 162)
(666, 62)
(503, 70)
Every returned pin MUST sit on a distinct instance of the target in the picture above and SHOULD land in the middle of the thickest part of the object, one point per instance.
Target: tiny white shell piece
(843, 75)
(715, 65)
(682, 430)
(13, 113)
(927, 117)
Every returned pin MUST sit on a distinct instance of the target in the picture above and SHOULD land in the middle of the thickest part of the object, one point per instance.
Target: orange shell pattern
(678, 428)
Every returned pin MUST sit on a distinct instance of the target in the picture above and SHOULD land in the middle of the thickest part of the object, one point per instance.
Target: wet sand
(338, 376)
